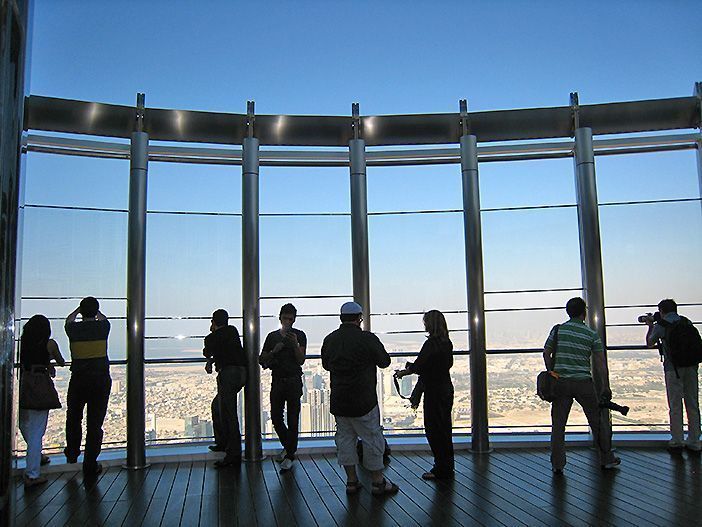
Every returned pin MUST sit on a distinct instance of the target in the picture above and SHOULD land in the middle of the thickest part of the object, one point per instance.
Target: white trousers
(32, 424)
(683, 389)
(367, 427)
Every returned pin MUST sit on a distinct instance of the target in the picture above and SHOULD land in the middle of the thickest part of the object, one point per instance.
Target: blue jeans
(32, 424)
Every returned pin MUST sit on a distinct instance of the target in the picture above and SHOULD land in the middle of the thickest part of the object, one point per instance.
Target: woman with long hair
(37, 350)
(433, 367)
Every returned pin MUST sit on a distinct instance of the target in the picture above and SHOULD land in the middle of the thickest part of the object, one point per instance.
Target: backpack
(683, 342)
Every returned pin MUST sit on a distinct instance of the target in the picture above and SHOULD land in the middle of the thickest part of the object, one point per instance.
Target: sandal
(384, 487)
(352, 487)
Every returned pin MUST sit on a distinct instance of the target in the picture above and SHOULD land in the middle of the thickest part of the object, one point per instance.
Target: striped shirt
(576, 343)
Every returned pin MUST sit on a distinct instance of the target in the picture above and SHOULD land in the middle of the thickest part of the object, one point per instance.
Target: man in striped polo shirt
(90, 383)
(578, 349)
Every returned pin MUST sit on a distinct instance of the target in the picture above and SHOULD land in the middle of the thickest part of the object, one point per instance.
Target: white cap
(351, 308)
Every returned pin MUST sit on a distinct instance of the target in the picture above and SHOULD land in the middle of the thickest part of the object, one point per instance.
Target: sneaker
(613, 464)
(33, 482)
(281, 456)
(45, 460)
(286, 464)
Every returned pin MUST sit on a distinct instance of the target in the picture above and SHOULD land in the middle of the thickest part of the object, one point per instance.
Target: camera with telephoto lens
(653, 317)
(614, 406)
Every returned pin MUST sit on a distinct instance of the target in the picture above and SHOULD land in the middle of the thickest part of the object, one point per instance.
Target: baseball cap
(351, 308)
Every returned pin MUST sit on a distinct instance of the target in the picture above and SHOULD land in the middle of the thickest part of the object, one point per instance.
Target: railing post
(251, 290)
(480, 438)
(589, 231)
(136, 291)
(359, 219)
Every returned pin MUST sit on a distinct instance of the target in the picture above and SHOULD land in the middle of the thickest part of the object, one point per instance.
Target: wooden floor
(508, 487)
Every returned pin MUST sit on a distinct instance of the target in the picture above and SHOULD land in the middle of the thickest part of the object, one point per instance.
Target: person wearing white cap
(352, 355)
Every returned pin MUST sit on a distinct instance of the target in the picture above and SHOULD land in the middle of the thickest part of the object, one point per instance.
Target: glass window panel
(634, 333)
(659, 175)
(406, 332)
(74, 253)
(115, 426)
(651, 252)
(521, 329)
(193, 265)
(534, 249)
(210, 188)
(417, 263)
(527, 300)
(77, 181)
(304, 189)
(636, 378)
(411, 188)
(527, 183)
(512, 402)
(305, 256)
(178, 403)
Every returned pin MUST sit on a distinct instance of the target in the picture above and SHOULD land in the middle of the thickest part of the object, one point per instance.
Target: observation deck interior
(508, 487)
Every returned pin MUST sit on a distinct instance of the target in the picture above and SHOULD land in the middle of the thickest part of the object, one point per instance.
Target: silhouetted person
(433, 366)
(352, 357)
(577, 348)
(681, 382)
(90, 383)
(284, 353)
(37, 350)
(223, 348)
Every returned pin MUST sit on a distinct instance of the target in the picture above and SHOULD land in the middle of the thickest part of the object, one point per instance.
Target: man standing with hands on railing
(90, 383)
(284, 353)
(223, 349)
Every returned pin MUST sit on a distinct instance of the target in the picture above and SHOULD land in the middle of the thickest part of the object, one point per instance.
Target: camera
(655, 317)
(614, 406)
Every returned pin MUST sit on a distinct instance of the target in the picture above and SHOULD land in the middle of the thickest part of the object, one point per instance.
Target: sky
(392, 58)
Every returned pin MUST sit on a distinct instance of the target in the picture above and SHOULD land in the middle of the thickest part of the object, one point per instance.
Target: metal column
(136, 292)
(480, 439)
(589, 229)
(15, 28)
(250, 290)
(359, 219)
(698, 94)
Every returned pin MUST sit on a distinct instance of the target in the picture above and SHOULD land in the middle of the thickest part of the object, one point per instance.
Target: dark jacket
(224, 346)
(433, 363)
(351, 355)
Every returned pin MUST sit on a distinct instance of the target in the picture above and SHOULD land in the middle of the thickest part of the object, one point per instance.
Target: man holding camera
(680, 349)
(570, 351)
(284, 353)
(90, 383)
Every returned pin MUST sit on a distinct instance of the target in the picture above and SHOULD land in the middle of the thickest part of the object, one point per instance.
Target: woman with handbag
(37, 392)
(433, 367)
